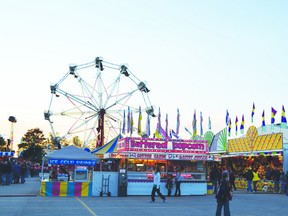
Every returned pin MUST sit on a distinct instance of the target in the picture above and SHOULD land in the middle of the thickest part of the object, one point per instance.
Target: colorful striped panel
(70, 189)
(49, 188)
(77, 188)
(43, 189)
(56, 189)
(63, 188)
(66, 189)
(84, 189)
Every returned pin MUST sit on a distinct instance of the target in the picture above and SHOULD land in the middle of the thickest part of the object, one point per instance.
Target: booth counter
(141, 183)
(191, 183)
(144, 187)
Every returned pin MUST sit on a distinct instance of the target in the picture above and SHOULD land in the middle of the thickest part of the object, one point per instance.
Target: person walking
(223, 196)
(249, 177)
(156, 185)
(178, 182)
(255, 179)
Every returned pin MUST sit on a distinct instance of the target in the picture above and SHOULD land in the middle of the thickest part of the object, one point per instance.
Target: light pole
(13, 120)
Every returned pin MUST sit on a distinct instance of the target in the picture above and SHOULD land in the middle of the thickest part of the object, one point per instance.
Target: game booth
(263, 150)
(69, 172)
(128, 164)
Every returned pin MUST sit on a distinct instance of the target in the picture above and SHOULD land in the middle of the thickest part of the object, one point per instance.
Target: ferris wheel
(89, 101)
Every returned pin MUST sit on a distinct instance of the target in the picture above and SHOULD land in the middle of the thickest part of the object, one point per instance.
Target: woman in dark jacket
(223, 196)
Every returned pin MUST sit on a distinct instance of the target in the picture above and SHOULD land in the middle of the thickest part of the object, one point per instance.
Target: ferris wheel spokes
(97, 93)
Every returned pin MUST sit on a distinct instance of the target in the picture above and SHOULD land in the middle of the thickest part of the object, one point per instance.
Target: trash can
(209, 188)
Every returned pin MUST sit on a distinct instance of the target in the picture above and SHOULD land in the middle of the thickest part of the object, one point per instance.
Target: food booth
(138, 157)
(69, 173)
(258, 149)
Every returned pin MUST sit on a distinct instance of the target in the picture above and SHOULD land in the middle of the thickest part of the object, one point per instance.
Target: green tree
(33, 137)
(2, 143)
(33, 144)
(76, 141)
(34, 153)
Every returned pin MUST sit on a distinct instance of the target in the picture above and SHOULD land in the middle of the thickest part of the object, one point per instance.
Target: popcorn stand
(139, 157)
(69, 173)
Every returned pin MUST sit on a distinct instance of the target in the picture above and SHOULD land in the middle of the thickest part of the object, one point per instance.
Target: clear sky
(207, 56)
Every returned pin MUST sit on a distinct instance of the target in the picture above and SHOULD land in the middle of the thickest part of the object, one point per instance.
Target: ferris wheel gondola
(89, 100)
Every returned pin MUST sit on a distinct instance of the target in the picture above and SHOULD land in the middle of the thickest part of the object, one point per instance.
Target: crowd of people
(14, 171)
(252, 175)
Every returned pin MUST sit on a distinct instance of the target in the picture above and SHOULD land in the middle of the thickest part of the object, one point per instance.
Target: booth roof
(275, 129)
(110, 147)
(71, 153)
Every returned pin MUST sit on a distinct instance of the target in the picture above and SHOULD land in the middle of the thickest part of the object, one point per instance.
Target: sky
(208, 56)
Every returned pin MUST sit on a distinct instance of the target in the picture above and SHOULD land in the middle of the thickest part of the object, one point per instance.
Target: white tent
(71, 155)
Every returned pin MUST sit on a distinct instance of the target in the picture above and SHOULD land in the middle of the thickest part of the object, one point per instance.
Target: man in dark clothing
(178, 179)
(7, 170)
(275, 174)
(215, 175)
(249, 177)
(223, 196)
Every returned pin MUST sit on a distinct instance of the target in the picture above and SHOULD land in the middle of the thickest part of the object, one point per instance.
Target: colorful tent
(110, 147)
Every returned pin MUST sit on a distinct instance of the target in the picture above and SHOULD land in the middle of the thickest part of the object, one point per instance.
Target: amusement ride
(91, 99)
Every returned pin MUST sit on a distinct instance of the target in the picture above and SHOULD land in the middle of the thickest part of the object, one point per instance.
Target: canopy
(110, 147)
(71, 155)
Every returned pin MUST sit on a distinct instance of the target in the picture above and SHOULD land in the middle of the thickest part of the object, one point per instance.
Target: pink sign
(159, 156)
(130, 144)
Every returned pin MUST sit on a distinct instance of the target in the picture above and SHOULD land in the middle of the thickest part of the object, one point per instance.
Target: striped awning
(6, 153)
(110, 147)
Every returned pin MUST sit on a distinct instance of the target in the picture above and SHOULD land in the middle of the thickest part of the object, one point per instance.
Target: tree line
(34, 145)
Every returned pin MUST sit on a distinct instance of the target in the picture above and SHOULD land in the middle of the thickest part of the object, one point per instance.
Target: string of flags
(283, 123)
(164, 132)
